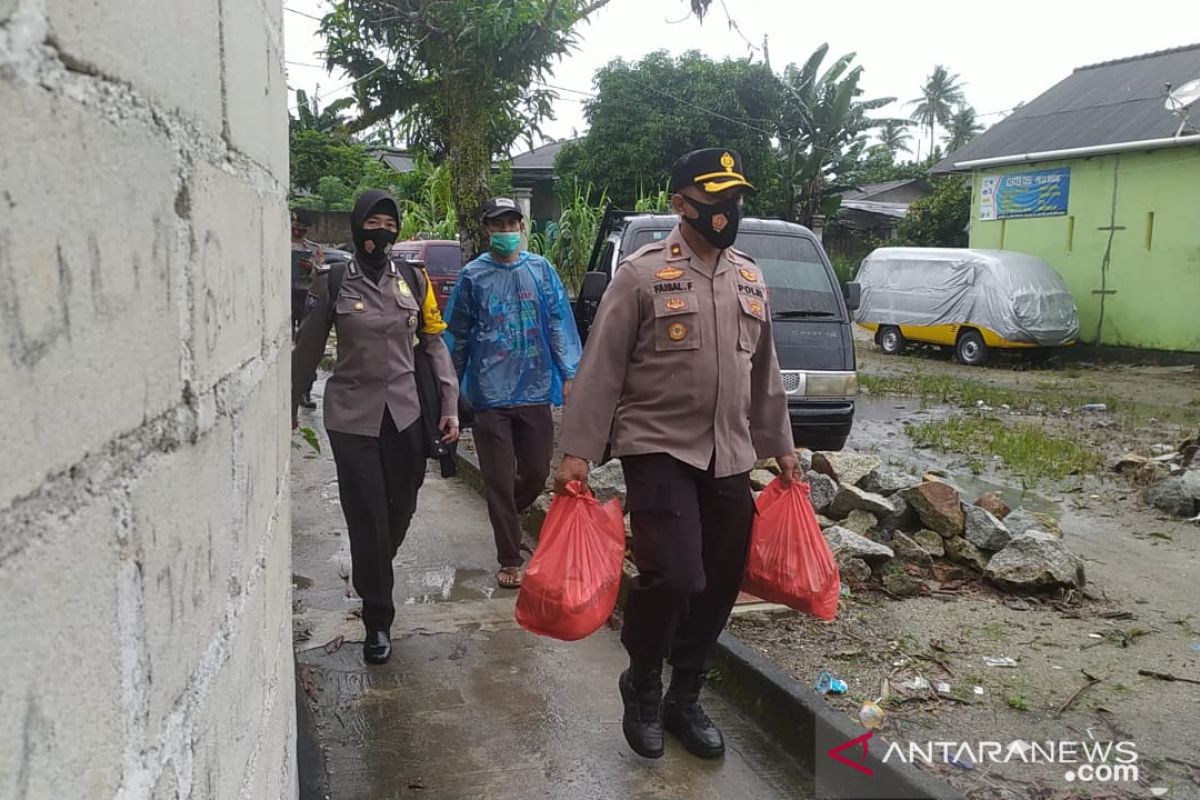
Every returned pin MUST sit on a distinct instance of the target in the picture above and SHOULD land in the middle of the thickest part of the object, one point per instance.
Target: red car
(441, 259)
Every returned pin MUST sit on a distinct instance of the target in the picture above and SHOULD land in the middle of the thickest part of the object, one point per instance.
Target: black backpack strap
(415, 280)
(333, 284)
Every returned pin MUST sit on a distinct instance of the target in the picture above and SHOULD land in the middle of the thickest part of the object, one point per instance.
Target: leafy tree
(942, 218)
(879, 167)
(963, 128)
(821, 132)
(648, 113)
(894, 137)
(315, 155)
(940, 94)
(463, 76)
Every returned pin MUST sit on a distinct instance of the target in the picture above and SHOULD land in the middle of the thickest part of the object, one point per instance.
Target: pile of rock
(902, 531)
(1172, 474)
(885, 525)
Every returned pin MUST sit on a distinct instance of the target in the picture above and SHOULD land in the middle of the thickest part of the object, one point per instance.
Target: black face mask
(718, 223)
(382, 237)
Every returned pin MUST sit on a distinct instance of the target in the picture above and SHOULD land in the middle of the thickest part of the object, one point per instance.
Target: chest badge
(677, 332)
(749, 275)
(359, 307)
(676, 304)
(402, 288)
(669, 274)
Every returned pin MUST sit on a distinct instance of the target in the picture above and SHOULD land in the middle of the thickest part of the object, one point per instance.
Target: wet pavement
(470, 705)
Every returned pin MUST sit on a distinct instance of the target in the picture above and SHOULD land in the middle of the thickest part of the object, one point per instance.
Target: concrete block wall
(145, 592)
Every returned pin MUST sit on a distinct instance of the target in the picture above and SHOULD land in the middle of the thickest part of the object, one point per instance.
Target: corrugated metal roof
(401, 162)
(894, 210)
(1107, 103)
(868, 190)
(540, 158)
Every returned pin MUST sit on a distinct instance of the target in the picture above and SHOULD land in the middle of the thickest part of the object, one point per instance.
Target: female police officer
(372, 406)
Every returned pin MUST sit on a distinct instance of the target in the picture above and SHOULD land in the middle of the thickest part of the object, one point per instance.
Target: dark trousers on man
(514, 446)
(378, 481)
(691, 536)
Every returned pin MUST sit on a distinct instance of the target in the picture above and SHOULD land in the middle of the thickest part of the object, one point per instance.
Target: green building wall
(1151, 291)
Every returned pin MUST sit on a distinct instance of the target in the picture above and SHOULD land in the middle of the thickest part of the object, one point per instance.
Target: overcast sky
(1005, 52)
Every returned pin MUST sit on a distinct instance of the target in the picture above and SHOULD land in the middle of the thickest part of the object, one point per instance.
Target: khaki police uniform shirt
(681, 361)
(376, 327)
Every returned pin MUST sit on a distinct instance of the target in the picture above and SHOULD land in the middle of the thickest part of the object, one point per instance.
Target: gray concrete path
(471, 706)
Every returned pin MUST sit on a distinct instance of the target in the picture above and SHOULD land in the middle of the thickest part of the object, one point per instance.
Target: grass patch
(1044, 396)
(996, 631)
(951, 390)
(1025, 448)
(1018, 702)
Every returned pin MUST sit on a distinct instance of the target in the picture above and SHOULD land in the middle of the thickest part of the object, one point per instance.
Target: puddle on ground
(301, 582)
(450, 585)
(881, 408)
(879, 425)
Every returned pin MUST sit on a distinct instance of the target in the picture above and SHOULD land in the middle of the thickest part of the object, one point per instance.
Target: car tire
(971, 349)
(891, 341)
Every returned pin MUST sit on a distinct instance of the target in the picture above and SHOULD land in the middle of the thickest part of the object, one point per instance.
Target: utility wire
(317, 96)
(303, 14)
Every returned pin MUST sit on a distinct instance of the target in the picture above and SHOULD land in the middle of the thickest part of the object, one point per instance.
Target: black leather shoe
(684, 719)
(377, 648)
(642, 722)
(307, 401)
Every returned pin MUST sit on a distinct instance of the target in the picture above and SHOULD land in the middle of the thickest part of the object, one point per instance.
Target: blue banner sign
(1026, 194)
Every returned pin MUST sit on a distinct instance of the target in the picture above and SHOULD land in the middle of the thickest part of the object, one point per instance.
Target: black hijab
(375, 201)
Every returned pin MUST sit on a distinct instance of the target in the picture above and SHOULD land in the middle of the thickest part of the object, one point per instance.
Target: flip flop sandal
(510, 578)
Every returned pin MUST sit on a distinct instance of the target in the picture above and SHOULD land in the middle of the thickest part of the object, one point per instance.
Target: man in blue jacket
(516, 349)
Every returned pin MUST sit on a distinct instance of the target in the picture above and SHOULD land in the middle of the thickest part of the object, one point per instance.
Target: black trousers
(378, 481)
(691, 536)
(515, 446)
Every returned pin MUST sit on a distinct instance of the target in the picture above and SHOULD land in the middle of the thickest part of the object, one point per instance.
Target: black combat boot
(641, 690)
(684, 719)
(307, 401)
(377, 647)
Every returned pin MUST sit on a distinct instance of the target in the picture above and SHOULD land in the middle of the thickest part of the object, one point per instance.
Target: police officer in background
(307, 258)
(680, 376)
(383, 313)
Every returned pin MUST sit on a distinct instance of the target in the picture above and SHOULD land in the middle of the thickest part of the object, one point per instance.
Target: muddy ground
(1140, 610)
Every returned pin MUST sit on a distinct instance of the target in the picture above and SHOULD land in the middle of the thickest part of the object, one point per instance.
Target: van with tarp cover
(973, 301)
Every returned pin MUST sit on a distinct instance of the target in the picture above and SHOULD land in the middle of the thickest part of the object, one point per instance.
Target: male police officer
(680, 376)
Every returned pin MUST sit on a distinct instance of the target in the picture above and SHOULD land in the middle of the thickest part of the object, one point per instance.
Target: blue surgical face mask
(505, 244)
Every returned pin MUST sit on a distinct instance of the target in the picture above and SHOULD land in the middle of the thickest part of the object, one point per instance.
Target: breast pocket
(750, 322)
(677, 323)
(349, 304)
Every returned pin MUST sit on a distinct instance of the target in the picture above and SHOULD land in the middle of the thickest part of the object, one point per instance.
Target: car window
(640, 238)
(794, 271)
(443, 260)
(406, 252)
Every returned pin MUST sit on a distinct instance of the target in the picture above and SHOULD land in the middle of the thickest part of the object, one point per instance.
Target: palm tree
(940, 94)
(893, 137)
(963, 128)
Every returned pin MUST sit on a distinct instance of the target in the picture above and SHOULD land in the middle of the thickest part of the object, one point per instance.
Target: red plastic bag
(790, 561)
(571, 585)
